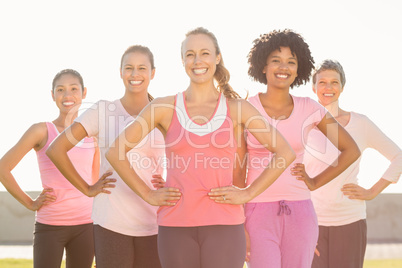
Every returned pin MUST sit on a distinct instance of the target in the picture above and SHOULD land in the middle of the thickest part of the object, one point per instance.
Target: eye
(189, 54)
(142, 68)
(205, 53)
(59, 89)
(74, 88)
(292, 62)
(128, 68)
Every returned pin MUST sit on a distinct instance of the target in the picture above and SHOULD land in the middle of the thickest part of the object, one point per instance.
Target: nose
(283, 65)
(328, 85)
(68, 93)
(197, 59)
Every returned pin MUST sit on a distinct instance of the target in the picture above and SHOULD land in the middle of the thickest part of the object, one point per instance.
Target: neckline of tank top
(214, 123)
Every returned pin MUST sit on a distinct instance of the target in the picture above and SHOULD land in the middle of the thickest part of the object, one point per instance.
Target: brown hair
(222, 74)
(68, 71)
(140, 49)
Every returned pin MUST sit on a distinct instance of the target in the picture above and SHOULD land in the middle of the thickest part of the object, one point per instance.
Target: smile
(200, 71)
(136, 83)
(68, 103)
(282, 76)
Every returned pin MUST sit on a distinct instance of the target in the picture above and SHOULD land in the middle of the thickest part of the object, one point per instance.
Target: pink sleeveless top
(71, 206)
(199, 158)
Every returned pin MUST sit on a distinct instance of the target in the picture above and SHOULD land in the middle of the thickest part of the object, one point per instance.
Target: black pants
(115, 250)
(341, 246)
(213, 246)
(51, 240)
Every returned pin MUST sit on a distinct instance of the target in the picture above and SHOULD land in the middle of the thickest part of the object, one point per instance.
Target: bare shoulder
(241, 106)
(36, 135)
(236, 103)
(38, 129)
(169, 100)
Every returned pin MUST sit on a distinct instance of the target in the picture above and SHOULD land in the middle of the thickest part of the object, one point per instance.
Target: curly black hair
(267, 43)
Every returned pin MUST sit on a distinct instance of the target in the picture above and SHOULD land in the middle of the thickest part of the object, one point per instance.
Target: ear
(264, 70)
(53, 95)
(314, 90)
(84, 93)
(121, 74)
(218, 59)
(153, 73)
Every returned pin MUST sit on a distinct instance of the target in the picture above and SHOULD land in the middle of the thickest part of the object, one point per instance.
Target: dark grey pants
(341, 246)
(122, 251)
(213, 246)
(51, 240)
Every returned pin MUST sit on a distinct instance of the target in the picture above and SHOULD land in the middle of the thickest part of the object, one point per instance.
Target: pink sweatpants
(282, 234)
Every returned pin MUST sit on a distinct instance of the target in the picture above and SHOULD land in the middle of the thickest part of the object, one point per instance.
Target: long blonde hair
(222, 74)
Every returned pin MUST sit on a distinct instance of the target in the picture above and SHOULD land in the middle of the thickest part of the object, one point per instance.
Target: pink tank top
(71, 206)
(200, 157)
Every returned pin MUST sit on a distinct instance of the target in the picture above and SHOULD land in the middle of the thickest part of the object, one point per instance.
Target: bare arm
(248, 116)
(240, 164)
(146, 121)
(34, 138)
(57, 152)
(349, 152)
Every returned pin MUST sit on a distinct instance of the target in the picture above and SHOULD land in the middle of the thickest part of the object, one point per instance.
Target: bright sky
(39, 38)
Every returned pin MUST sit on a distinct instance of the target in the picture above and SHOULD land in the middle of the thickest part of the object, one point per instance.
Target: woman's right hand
(163, 196)
(43, 199)
(157, 181)
(101, 185)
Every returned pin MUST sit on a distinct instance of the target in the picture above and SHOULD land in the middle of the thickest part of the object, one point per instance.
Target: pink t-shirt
(71, 206)
(200, 157)
(306, 114)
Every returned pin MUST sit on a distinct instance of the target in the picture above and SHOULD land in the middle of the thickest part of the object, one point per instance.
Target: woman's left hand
(299, 171)
(354, 191)
(229, 195)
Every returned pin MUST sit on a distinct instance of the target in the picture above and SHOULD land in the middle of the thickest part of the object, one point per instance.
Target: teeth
(68, 103)
(329, 95)
(135, 82)
(282, 75)
(200, 71)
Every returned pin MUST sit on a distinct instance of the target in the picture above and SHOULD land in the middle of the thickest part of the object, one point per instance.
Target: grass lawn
(23, 263)
(20, 263)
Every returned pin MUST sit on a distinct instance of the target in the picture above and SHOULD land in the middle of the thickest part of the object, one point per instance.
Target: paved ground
(374, 251)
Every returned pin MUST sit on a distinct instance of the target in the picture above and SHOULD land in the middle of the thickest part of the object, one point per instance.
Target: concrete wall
(384, 219)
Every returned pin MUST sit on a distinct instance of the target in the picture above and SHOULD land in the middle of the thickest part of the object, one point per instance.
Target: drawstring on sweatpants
(283, 208)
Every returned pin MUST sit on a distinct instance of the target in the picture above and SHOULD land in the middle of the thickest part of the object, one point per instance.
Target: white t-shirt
(123, 211)
(333, 208)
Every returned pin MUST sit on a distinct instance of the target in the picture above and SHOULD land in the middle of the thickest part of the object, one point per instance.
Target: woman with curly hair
(200, 227)
(281, 222)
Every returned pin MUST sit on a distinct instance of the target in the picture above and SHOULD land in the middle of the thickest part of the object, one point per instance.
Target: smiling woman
(63, 214)
(281, 222)
(200, 227)
(125, 229)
